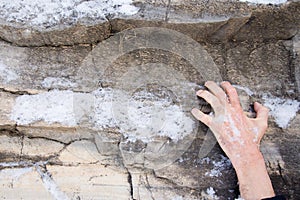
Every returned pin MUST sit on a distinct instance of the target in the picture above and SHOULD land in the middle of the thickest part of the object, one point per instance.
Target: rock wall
(97, 106)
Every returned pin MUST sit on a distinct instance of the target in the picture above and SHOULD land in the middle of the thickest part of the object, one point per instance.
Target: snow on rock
(283, 110)
(15, 173)
(219, 166)
(54, 106)
(6, 74)
(57, 83)
(177, 198)
(53, 12)
(138, 117)
(210, 194)
(50, 185)
(275, 2)
(239, 198)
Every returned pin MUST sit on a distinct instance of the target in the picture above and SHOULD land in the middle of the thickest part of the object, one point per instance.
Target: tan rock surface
(18, 183)
(91, 181)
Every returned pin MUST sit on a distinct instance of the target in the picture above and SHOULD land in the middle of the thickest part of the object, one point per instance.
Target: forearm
(253, 179)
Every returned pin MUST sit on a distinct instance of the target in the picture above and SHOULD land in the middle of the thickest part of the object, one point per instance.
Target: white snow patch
(275, 2)
(14, 174)
(9, 164)
(51, 185)
(53, 12)
(210, 194)
(219, 166)
(283, 110)
(6, 74)
(177, 198)
(51, 107)
(55, 82)
(138, 117)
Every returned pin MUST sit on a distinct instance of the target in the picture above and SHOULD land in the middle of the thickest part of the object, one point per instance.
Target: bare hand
(239, 136)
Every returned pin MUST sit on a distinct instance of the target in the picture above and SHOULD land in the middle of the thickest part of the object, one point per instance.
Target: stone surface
(266, 67)
(7, 102)
(97, 154)
(40, 147)
(223, 20)
(296, 61)
(18, 183)
(91, 181)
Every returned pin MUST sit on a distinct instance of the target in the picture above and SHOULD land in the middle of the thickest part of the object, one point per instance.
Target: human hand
(239, 136)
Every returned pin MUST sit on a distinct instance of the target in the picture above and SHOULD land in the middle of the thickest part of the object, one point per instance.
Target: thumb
(261, 118)
(261, 112)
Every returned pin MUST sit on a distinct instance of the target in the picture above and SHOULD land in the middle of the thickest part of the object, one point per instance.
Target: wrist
(254, 181)
(247, 160)
(247, 166)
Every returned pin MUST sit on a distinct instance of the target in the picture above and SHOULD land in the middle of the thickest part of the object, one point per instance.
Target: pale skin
(239, 137)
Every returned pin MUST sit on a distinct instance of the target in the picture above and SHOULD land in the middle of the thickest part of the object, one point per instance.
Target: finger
(211, 99)
(231, 93)
(261, 118)
(216, 90)
(206, 119)
(261, 112)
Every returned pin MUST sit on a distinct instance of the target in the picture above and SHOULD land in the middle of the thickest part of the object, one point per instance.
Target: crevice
(148, 186)
(7, 41)
(280, 170)
(173, 184)
(22, 146)
(129, 180)
(17, 92)
(49, 139)
(168, 11)
(10, 130)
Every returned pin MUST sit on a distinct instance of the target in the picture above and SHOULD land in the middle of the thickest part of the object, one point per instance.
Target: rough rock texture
(78, 145)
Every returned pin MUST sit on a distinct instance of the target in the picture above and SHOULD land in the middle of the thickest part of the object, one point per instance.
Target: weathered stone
(80, 152)
(264, 68)
(41, 68)
(7, 103)
(221, 22)
(251, 46)
(33, 36)
(91, 181)
(294, 125)
(107, 143)
(296, 61)
(147, 186)
(268, 23)
(61, 134)
(40, 147)
(17, 183)
(10, 146)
